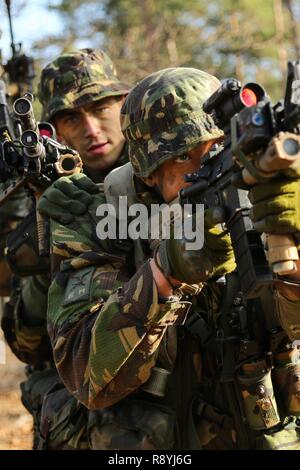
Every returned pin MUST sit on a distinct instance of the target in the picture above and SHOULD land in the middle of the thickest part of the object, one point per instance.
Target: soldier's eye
(71, 119)
(182, 158)
(101, 109)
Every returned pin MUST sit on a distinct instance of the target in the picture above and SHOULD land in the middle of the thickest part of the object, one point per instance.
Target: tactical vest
(248, 395)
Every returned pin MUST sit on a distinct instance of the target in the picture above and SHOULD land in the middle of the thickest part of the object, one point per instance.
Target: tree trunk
(295, 36)
(279, 29)
(239, 59)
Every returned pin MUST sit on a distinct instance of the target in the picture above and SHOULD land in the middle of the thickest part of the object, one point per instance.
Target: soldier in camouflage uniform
(82, 96)
(141, 340)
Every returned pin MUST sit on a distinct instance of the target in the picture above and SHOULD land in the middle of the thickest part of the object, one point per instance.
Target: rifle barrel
(23, 109)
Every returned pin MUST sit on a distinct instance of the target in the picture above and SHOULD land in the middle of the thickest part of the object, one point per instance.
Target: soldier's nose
(91, 126)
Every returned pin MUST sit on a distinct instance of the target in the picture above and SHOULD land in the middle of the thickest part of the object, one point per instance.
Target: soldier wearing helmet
(81, 96)
(142, 334)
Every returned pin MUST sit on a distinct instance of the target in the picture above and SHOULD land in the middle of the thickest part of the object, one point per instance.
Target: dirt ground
(15, 421)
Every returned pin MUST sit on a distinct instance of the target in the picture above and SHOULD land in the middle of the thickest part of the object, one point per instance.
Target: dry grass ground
(15, 421)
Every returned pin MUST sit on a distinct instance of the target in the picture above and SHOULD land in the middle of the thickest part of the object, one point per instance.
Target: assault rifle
(244, 336)
(16, 79)
(34, 159)
(260, 140)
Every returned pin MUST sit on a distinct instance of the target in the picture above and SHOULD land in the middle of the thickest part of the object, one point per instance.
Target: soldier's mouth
(98, 149)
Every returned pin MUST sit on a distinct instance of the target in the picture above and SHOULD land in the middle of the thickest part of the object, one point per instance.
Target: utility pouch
(286, 379)
(22, 249)
(63, 421)
(132, 424)
(157, 383)
(286, 438)
(258, 396)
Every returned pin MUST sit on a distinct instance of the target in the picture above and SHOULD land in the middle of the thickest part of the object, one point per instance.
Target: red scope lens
(45, 133)
(248, 97)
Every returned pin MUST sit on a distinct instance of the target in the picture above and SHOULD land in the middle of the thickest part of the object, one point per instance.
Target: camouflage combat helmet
(162, 116)
(77, 78)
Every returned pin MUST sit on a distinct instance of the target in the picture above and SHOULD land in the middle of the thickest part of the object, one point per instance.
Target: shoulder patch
(79, 286)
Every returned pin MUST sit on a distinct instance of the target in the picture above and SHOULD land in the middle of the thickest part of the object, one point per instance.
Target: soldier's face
(169, 177)
(94, 131)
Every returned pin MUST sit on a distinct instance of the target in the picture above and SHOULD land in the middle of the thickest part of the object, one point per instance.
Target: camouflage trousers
(61, 422)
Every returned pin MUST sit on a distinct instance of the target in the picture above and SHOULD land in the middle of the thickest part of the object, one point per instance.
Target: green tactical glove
(67, 198)
(215, 259)
(276, 206)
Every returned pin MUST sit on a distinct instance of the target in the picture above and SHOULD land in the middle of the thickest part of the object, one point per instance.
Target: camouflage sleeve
(105, 329)
(24, 321)
(78, 237)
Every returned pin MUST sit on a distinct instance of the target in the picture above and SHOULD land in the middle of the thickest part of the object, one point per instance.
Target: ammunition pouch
(31, 345)
(286, 379)
(288, 313)
(32, 393)
(257, 409)
(258, 396)
(216, 431)
(63, 421)
(132, 424)
(262, 423)
(23, 253)
(59, 419)
(286, 438)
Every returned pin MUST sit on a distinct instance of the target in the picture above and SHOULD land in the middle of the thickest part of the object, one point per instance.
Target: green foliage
(248, 39)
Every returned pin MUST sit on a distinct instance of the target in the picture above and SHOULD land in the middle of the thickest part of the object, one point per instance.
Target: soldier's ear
(60, 138)
(56, 123)
(150, 180)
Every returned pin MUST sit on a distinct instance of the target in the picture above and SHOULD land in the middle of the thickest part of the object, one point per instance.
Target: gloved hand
(276, 206)
(67, 198)
(215, 259)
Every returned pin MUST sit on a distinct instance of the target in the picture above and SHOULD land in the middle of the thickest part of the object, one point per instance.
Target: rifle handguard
(282, 153)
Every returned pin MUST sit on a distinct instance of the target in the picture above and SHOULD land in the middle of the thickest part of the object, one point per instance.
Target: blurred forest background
(247, 39)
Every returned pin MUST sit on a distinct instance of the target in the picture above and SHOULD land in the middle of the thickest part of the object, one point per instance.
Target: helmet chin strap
(158, 193)
(160, 198)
